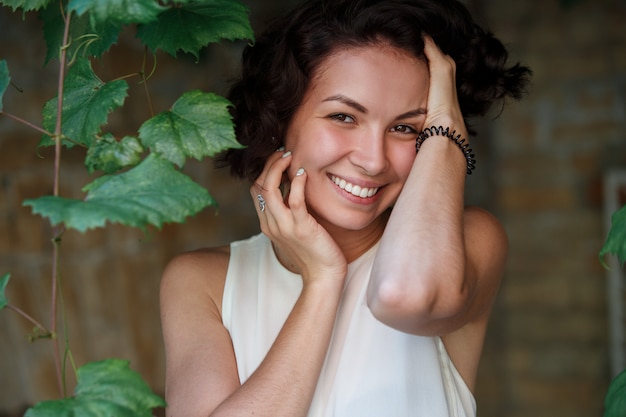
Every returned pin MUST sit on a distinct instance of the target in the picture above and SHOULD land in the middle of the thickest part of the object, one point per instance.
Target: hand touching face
(301, 243)
(355, 134)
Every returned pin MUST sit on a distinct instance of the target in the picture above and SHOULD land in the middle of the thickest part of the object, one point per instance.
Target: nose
(369, 153)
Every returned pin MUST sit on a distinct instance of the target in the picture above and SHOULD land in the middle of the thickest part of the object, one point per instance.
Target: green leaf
(105, 388)
(108, 155)
(85, 39)
(198, 125)
(3, 285)
(616, 240)
(87, 103)
(5, 79)
(615, 400)
(152, 193)
(27, 5)
(119, 12)
(190, 26)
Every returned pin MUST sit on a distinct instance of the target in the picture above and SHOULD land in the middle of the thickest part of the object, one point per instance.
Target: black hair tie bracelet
(440, 131)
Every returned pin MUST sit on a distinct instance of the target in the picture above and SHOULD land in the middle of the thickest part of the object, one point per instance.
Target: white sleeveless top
(371, 370)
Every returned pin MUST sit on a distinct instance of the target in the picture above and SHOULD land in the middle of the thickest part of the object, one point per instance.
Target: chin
(348, 221)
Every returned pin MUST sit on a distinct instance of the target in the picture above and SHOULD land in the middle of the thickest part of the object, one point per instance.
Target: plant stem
(145, 79)
(29, 124)
(27, 317)
(57, 170)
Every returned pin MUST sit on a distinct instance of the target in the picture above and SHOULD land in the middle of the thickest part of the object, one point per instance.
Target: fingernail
(282, 148)
(286, 154)
(299, 172)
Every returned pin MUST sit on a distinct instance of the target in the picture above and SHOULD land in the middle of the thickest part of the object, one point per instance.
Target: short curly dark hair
(277, 69)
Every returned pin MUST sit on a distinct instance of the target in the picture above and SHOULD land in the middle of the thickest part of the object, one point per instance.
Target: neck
(354, 243)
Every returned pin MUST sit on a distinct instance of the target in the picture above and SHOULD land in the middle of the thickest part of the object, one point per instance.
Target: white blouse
(371, 370)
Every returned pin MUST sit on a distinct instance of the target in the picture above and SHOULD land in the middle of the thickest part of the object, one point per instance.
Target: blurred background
(548, 167)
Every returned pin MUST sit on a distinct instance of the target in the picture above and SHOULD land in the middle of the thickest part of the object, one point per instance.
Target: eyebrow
(348, 102)
(360, 108)
(417, 112)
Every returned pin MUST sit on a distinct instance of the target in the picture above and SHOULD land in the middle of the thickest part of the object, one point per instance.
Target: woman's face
(355, 131)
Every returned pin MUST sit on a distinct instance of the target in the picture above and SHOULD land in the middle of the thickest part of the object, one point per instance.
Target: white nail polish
(282, 148)
(286, 154)
(299, 172)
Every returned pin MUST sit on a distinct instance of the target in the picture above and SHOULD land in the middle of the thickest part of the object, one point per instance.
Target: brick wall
(540, 170)
(547, 350)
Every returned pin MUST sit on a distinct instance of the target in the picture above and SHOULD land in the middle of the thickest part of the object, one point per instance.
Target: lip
(357, 191)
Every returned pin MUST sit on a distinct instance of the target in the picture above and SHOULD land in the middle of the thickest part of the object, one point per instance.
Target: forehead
(371, 71)
(380, 47)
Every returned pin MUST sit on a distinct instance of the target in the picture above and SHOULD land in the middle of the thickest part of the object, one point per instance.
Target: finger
(441, 66)
(276, 172)
(260, 206)
(258, 190)
(443, 105)
(297, 201)
(259, 183)
(274, 207)
(435, 55)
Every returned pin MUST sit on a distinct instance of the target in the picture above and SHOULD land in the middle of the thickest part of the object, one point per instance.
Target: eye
(342, 117)
(403, 129)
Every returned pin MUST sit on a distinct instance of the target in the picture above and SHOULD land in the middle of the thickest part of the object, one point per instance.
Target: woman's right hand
(301, 243)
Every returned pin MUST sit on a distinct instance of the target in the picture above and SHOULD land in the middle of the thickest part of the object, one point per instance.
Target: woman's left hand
(443, 102)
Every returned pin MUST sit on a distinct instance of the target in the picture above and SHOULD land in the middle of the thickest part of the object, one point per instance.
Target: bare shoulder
(201, 369)
(486, 246)
(483, 228)
(198, 260)
(201, 272)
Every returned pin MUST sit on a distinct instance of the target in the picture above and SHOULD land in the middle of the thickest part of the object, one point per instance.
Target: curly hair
(278, 68)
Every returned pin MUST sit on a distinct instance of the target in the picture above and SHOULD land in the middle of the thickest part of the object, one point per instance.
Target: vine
(615, 244)
(140, 183)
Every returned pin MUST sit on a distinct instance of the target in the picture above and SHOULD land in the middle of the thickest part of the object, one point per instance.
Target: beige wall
(540, 169)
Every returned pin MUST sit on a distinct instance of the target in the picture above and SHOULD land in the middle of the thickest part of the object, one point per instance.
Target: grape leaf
(120, 12)
(108, 155)
(152, 193)
(616, 240)
(615, 400)
(105, 388)
(87, 103)
(190, 26)
(199, 124)
(27, 5)
(85, 39)
(5, 79)
(3, 285)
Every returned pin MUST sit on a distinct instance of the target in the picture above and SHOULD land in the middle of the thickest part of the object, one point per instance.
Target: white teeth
(355, 190)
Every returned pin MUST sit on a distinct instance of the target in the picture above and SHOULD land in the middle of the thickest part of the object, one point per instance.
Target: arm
(439, 264)
(202, 375)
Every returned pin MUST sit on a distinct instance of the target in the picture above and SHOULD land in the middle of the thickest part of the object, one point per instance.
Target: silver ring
(261, 202)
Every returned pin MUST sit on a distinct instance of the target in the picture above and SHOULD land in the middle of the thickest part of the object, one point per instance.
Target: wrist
(461, 143)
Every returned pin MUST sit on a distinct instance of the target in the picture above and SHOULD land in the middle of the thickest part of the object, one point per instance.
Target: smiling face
(355, 133)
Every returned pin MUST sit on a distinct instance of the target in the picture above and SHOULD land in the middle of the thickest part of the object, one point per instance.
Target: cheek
(402, 158)
(314, 145)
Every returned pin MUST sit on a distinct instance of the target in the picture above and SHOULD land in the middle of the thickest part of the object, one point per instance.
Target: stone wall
(540, 169)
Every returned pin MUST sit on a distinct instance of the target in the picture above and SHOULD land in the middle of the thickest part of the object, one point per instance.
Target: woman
(369, 291)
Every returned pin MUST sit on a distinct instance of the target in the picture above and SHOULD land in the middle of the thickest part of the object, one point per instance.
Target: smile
(355, 190)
